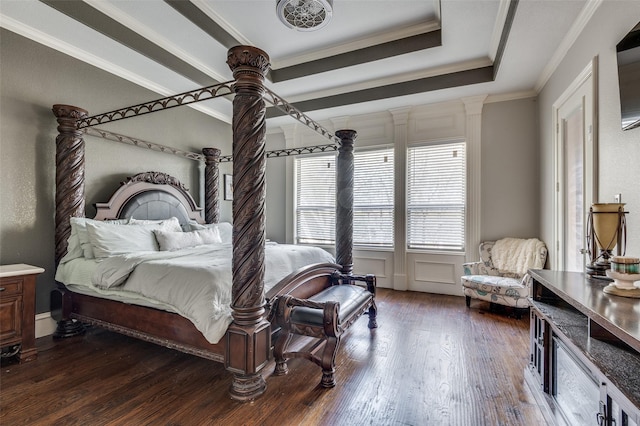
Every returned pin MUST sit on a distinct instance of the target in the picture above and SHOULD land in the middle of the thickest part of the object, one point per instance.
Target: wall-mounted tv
(629, 78)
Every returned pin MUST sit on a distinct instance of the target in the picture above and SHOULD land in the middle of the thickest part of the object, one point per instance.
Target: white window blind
(436, 191)
(316, 199)
(373, 199)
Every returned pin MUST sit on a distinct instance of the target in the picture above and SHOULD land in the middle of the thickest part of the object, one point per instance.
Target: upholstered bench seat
(324, 316)
(350, 298)
(502, 290)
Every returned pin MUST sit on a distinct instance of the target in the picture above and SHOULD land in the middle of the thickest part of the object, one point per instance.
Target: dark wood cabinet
(17, 310)
(585, 351)
(539, 361)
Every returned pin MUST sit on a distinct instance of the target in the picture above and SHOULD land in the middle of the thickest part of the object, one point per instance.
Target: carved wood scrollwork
(157, 178)
(249, 133)
(249, 65)
(69, 173)
(344, 201)
(211, 179)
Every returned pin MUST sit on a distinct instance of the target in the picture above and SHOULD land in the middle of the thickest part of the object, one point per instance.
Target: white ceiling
(157, 45)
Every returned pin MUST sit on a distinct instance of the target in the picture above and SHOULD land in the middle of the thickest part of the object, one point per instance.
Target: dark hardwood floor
(432, 361)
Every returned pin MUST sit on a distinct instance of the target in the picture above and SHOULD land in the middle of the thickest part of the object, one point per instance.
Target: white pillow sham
(110, 240)
(79, 233)
(170, 241)
(134, 221)
(171, 224)
(225, 229)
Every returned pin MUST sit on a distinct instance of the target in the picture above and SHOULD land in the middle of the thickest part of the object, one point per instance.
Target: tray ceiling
(373, 55)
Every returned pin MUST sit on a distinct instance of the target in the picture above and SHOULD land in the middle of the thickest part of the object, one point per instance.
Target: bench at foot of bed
(324, 316)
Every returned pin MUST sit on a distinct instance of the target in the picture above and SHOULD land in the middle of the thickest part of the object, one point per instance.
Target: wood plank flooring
(432, 361)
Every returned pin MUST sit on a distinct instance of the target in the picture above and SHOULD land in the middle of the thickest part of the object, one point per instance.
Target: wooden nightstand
(17, 309)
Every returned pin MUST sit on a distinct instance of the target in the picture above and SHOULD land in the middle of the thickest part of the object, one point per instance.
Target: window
(316, 199)
(436, 194)
(373, 198)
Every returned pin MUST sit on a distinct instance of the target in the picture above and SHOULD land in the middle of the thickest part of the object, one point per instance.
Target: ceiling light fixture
(305, 15)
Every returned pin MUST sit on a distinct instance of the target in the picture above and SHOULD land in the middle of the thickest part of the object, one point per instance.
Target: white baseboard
(45, 325)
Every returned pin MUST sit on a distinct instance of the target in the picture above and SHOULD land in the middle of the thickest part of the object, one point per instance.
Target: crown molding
(496, 35)
(91, 59)
(563, 48)
(511, 96)
(400, 78)
(135, 25)
(365, 42)
(211, 13)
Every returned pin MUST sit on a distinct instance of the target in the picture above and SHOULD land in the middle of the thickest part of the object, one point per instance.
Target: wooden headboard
(150, 195)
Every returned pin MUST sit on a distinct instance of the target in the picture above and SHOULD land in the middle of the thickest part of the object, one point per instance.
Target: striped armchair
(500, 276)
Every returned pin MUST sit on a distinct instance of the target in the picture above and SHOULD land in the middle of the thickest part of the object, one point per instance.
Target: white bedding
(194, 282)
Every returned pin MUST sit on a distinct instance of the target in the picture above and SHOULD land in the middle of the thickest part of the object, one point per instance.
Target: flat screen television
(628, 51)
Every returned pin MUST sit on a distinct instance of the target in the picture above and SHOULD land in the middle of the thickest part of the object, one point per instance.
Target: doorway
(575, 121)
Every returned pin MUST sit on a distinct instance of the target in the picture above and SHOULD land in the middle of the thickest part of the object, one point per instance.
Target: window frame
(462, 215)
(368, 245)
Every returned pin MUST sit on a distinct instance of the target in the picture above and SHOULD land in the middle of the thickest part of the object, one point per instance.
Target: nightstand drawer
(10, 286)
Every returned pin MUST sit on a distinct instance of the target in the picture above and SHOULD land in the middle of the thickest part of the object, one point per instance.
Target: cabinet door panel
(10, 319)
(576, 391)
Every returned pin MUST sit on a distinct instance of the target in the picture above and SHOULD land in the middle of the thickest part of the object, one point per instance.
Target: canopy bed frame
(246, 348)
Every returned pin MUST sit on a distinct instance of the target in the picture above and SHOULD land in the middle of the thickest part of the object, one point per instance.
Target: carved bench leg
(278, 352)
(328, 362)
(373, 316)
(467, 300)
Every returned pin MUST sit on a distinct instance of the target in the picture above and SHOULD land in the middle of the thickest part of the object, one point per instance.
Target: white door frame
(587, 78)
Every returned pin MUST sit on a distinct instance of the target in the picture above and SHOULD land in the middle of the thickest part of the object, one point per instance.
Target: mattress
(194, 282)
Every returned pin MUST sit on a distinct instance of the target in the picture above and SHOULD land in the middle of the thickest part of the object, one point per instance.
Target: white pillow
(109, 240)
(79, 228)
(225, 229)
(171, 224)
(169, 241)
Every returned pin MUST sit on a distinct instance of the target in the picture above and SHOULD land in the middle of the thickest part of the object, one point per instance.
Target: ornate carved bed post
(249, 336)
(211, 179)
(69, 201)
(344, 201)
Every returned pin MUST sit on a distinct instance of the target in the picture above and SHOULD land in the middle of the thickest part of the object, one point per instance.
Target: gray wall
(276, 199)
(34, 78)
(509, 178)
(510, 170)
(619, 152)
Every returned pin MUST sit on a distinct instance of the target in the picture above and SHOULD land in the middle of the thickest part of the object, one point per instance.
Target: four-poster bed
(245, 348)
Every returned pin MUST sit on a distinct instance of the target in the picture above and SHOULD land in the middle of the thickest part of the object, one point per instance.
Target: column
(400, 136)
(70, 202)
(473, 131)
(249, 336)
(344, 201)
(211, 185)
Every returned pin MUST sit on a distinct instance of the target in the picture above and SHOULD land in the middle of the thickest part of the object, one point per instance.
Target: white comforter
(196, 281)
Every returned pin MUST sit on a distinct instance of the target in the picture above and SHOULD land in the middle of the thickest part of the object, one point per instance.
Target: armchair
(500, 277)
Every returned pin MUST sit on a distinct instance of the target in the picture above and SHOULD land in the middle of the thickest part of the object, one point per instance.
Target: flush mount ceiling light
(305, 15)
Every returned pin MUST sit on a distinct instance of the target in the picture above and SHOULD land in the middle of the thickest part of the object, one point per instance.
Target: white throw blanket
(196, 281)
(517, 254)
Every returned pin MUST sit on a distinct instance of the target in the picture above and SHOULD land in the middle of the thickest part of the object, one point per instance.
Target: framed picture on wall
(228, 187)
